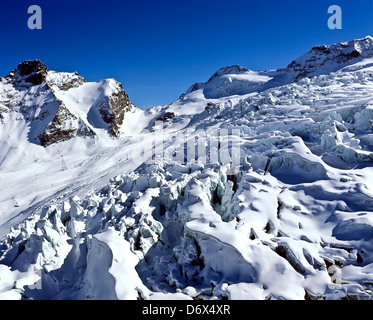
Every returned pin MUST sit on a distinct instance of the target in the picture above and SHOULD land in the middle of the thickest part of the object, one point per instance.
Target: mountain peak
(58, 106)
(235, 69)
(30, 71)
(324, 59)
(30, 66)
(220, 74)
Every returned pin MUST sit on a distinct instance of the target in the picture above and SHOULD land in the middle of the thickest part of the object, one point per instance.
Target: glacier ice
(292, 221)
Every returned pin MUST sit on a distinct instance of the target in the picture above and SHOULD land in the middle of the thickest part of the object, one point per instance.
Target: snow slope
(253, 185)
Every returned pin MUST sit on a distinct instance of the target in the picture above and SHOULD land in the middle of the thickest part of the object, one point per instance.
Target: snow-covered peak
(324, 59)
(32, 73)
(232, 80)
(58, 106)
(235, 69)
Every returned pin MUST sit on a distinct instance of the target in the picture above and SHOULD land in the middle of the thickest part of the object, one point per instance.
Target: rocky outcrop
(166, 116)
(113, 108)
(64, 81)
(34, 71)
(64, 126)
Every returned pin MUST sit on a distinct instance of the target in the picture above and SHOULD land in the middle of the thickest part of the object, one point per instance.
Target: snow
(291, 220)
(331, 58)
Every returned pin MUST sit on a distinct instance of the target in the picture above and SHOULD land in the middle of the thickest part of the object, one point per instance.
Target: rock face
(63, 127)
(43, 100)
(114, 107)
(34, 71)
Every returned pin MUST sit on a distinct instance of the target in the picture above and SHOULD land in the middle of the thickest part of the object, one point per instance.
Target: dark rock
(322, 48)
(34, 70)
(354, 54)
(31, 66)
(36, 78)
(114, 108)
(56, 131)
(60, 129)
(284, 251)
(167, 116)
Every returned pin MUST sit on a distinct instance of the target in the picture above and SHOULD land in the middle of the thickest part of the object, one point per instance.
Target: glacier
(160, 204)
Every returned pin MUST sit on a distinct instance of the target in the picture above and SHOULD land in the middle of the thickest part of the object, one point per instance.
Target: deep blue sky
(158, 48)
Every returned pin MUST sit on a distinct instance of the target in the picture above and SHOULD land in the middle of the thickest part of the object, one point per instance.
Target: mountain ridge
(336, 55)
(322, 59)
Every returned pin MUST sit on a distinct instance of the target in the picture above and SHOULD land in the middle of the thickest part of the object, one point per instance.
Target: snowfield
(253, 185)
